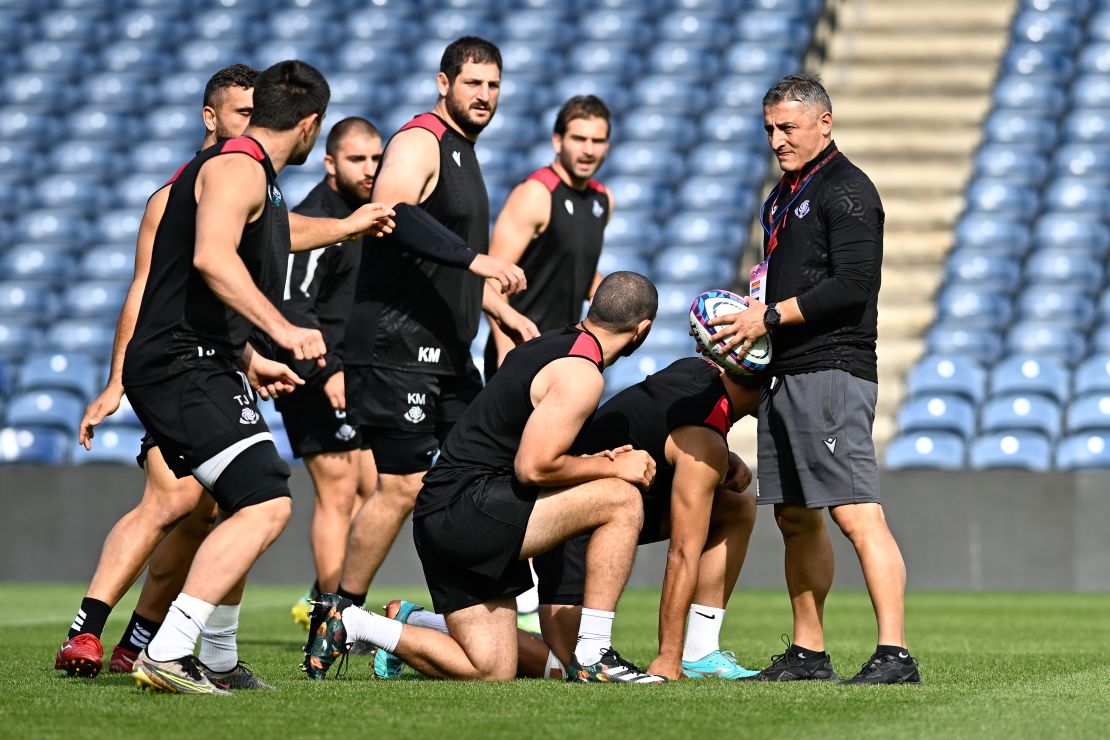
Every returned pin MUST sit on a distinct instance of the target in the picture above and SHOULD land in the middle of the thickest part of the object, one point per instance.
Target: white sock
(554, 667)
(431, 620)
(703, 631)
(218, 650)
(595, 635)
(375, 629)
(177, 637)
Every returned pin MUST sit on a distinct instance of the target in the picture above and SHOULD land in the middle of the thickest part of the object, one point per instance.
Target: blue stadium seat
(1038, 95)
(1095, 57)
(1022, 374)
(947, 375)
(18, 336)
(526, 57)
(680, 92)
(604, 58)
(1076, 194)
(774, 28)
(449, 25)
(741, 91)
(734, 125)
(633, 229)
(296, 24)
(508, 129)
(1046, 339)
(34, 444)
(98, 124)
(1100, 340)
(81, 335)
(68, 226)
(28, 298)
(1016, 127)
(123, 56)
(746, 58)
(675, 298)
(73, 372)
(617, 26)
(94, 299)
(538, 23)
(989, 272)
(42, 262)
(135, 191)
(1028, 412)
(1068, 307)
(671, 58)
(937, 413)
(694, 28)
(226, 24)
(637, 158)
(415, 93)
(1046, 27)
(1083, 451)
(182, 88)
(748, 165)
(714, 230)
(987, 232)
(177, 122)
(210, 55)
(641, 193)
(1090, 413)
(1072, 231)
(990, 195)
(53, 408)
(1037, 59)
(1018, 449)
(308, 50)
(969, 307)
(83, 192)
(609, 87)
(671, 335)
(655, 126)
(27, 123)
(100, 158)
(1091, 91)
(954, 337)
(1018, 164)
(680, 263)
(117, 226)
(931, 451)
(1076, 270)
(1098, 25)
(19, 159)
(631, 370)
(1092, 375)
(716, 194)
(381, 24)
(164, 158)
(527, 92)
(14, 195)
(118, 444)
(62, 57)
(1086, 125)
(72, 24)
(38, 88)
(614, 258)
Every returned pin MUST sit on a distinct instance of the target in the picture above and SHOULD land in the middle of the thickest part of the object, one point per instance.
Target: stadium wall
(958, 530)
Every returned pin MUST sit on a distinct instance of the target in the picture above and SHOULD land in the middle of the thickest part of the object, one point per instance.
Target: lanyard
(777, 220)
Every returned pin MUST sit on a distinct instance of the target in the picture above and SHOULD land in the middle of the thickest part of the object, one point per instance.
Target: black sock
(90, 617)
(898, 652)
(357, 599)
(139, 632)
(805, 653)
(315, 591)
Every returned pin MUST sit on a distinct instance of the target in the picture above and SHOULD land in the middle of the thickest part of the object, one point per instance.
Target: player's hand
(305, 344)
(739, 475)
(336, 390)
(103, 406)
(636, 467)
(738, 331)
(610, 454)
(509, 276)
(371, 219)
(670, 668)
(517, 326)
(271, 378)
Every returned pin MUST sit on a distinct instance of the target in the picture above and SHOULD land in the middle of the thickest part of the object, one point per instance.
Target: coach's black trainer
(886, 668)
(797, 664)
(327, 637)
(610, 668)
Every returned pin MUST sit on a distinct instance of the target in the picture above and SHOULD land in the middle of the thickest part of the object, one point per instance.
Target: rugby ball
(711, 304)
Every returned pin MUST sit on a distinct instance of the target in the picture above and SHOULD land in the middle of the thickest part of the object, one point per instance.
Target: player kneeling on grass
(507, 488)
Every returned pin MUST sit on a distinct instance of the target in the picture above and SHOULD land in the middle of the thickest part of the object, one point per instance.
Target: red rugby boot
(81, 655)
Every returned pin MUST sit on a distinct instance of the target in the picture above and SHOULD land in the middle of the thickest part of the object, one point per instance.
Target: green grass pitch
(995, 665)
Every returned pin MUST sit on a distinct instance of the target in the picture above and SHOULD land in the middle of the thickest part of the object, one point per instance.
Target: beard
(461, 116)
(633, 345)
(353, 191)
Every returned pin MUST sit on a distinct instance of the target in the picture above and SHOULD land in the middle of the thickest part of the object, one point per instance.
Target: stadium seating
(927, 450)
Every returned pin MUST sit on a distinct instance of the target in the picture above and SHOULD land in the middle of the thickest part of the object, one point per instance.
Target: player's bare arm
(408, 175)
(107, 403)
(308, 232)
(508, 326)
(700, 457)
(564, 394)
(231, 193)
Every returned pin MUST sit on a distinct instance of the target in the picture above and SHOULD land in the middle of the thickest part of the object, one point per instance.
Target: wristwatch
(771, 317)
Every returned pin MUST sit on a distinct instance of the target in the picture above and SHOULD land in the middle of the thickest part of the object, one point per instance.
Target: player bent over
(506, 488)
(216, 269)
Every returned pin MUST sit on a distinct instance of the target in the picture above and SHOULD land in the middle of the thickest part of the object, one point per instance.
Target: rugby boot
(883, 668)
(388, 665)
(81, 655)
(717, 664)
(238, 678)
(302, 609)
(327, 637)
(123, 659)
(610, 668)
(796, 665)
(179, 676)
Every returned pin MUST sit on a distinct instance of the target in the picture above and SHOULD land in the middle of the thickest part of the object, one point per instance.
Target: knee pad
(256, 475)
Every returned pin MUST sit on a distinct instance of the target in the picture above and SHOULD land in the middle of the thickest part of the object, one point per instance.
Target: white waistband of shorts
(209, 471)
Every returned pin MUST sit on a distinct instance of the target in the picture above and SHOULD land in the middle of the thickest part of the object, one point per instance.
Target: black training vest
(688, 392)
(485, 440)
(412, 314)
(180, 318)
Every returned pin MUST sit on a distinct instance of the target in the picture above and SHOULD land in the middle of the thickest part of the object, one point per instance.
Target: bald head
(622, 301)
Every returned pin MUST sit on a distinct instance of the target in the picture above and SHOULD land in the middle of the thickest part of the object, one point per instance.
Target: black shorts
(815, 443)
(404, 416)
(313, 426)
(561, 572)
(201, 419)
(470, 550)
(146, 444)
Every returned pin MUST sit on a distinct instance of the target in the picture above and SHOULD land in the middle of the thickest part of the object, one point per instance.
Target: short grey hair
(804, 89)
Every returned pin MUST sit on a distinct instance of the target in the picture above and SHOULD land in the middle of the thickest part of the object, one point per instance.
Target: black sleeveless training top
(412, 314)
(180, 318)
(485, 440)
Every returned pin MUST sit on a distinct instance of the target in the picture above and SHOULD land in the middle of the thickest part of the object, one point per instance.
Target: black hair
(288, 92)
(623, 300)
(237, 75)
(468, 49)
(352, 125)
(581, 106)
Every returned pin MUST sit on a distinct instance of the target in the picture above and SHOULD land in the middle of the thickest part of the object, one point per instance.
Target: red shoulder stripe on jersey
(428, 122)
(598, 186)
(243, 144)
(547, 176)
(176, 175)
(719, 417)
(586, 346)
